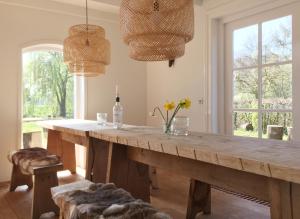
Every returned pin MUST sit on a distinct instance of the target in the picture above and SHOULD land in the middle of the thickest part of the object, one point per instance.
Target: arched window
(47, 90)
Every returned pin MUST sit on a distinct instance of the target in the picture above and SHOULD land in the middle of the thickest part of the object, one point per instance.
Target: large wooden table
(268, 170)
(64, 134)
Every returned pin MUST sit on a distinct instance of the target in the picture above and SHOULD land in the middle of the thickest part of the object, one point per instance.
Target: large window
(261, 78)
(48, 91)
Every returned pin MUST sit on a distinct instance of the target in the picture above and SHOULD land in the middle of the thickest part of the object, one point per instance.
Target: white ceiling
(102, 5)
(112, 2)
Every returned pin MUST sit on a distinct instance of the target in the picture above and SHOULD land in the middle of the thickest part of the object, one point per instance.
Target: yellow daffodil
(188, 103)
(185, 103)
(169, 105)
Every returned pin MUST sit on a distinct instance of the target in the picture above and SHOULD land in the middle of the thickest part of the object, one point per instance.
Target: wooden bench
(85, 199)
(37, 163)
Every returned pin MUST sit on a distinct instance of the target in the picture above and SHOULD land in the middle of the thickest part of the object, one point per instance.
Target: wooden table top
(271, 158)
(71, 126)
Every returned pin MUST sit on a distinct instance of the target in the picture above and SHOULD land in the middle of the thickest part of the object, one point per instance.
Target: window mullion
(260, 92)
(263, 65)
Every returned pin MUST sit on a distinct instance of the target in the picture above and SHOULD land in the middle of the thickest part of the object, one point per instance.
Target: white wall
(22, 26)
(185, 79)
(129, 75)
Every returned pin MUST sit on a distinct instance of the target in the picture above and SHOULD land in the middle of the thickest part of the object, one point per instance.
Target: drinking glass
(180, 125)
(102, 119)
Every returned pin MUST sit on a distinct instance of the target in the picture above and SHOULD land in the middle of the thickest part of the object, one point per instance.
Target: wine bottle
(117, 112)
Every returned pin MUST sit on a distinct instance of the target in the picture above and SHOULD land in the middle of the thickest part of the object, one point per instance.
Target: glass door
(260, 74)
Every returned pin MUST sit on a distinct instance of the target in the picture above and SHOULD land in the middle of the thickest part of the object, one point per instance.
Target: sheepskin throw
(102, 201)
(30, 158)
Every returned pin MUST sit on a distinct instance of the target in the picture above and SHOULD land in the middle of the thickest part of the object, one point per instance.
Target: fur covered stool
(43, 167)
(86, 200)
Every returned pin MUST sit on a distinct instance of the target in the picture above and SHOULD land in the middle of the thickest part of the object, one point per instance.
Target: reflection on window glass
(245, 46)
(277, 87)
(245, 89)
(245, 124)
(277, 40)
(276, 125)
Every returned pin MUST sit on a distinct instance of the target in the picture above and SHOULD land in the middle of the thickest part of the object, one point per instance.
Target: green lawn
(244, 133)
(31, 127)
(252, 134)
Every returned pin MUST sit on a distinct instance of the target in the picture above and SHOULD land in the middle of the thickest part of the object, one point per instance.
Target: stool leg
(42, 200)
(19, 179)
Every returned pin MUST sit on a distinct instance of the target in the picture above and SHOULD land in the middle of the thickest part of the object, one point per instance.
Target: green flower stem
(168, 125)
(162, 115)
(167, 116)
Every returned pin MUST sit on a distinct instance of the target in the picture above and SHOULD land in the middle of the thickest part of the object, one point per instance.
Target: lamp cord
(87, 22)
(86, 14)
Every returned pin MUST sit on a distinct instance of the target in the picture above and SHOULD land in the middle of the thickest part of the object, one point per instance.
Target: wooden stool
(275, 132)
(43, 167)
(89, 200)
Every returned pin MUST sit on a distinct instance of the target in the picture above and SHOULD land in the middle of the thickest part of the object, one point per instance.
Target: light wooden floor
(171, 198)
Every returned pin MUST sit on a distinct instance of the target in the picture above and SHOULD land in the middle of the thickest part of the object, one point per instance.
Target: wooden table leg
(89, 160)
(296, 200)
(130, 175)
(280, 198)
(97, 160)
(138, 181)
(68, 156)
(65, 150)
(53, 142)
(112, 165)
(199, 199)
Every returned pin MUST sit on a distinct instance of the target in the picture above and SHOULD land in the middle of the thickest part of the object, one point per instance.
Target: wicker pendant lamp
(86, 51)
(157, 30)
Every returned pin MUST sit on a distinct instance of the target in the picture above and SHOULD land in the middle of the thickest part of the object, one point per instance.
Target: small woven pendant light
(157, 30)
(86, 51)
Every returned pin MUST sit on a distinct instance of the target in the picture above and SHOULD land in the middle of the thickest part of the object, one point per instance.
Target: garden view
(47, 91)
(262, 77)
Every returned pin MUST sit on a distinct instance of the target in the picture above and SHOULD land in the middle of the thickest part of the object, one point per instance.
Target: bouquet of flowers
(169, 107)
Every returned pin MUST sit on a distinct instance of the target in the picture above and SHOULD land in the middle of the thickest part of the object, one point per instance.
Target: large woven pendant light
(86, 51)
(157, 30)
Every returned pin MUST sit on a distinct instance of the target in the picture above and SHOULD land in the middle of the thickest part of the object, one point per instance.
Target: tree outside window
(48, 91)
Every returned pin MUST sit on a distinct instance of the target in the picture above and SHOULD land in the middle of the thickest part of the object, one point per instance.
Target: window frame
(229, 67)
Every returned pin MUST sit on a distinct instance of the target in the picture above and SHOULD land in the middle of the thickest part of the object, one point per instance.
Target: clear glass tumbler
(102, 119)
(180, 125)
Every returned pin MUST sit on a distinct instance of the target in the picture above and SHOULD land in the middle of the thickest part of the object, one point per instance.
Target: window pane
(277, 87)
(245, 89)
(282, 123)
(245, 46)
(245, 124)
(277, 40)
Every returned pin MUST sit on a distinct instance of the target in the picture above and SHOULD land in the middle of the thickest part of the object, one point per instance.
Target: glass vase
(167, 129)
(180, 125)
